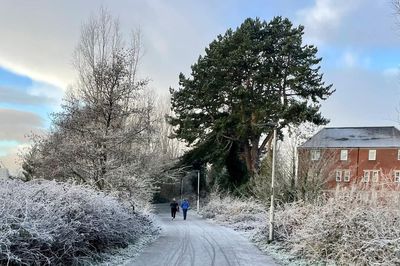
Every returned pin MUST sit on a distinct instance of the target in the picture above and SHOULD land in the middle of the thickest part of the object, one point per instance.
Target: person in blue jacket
(185, 206)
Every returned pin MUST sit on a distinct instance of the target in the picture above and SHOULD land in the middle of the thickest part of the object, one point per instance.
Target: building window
(346, 175)
(372, 155)
(398, 154)
(375, 176)
(343, 155)
(315, 155)
(365, 176)
(342, 175)
(338, 175)
(397, 176)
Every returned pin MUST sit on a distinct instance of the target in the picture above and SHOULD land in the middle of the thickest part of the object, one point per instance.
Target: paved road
(196, 242)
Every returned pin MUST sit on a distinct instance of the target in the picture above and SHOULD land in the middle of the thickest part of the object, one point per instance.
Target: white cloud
(38, 94)
(37, 39)
(363, 97)
(11, 157)
(324, 17)
(40, 89)
(17, 96)
(23, 66)
(40, 36)
(349, 59)
(15, 125)
(392, 72)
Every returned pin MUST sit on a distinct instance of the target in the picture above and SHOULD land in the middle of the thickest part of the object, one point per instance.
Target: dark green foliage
(247, 81)
(237, 172)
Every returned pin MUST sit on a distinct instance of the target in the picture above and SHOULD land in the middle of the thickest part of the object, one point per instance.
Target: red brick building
(345, 156)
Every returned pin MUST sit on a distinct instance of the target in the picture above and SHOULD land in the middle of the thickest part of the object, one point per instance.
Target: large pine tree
(248, 80)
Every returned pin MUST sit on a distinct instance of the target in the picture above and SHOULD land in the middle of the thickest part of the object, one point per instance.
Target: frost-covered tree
(102, 115)
(103, 134)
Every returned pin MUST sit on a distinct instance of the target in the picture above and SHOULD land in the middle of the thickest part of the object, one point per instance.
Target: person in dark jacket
(185, 206)
(174, 208)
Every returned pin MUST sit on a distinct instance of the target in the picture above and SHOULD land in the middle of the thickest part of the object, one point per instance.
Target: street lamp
(272, 207)
(198, 191)
(181, 188)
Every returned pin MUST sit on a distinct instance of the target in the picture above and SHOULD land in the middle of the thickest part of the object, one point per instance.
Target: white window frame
(344, 154)
(338, 175)
(315, 155)
(375, 176)
(346, 175)
(371, 155)
(398, 154)
(396, 176)
(366, 175)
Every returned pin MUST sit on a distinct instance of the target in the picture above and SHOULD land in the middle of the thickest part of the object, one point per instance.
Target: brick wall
(386, 163)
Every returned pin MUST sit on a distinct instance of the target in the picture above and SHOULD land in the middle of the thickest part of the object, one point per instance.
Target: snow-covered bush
(360, 228)
(45, 222)
(242, 214)
(288, 218)
(352, 227)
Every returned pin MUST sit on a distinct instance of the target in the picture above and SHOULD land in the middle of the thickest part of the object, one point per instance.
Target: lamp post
(198, 191)
(272, 207)
(181, 188)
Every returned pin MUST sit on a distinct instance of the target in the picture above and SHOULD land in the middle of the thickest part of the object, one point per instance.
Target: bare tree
(292, 183)
(101, 116)
(105, 127)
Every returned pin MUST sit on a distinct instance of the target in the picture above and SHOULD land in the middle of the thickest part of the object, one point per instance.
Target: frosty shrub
(288, 218)
(352, 227)
(242, 214)
(361, 228)
(45, 222)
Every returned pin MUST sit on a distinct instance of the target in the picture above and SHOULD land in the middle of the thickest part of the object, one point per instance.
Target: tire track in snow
(208, 250)
(221, 249)
(196, 242)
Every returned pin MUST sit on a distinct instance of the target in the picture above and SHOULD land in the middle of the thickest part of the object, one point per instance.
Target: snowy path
(197, 242)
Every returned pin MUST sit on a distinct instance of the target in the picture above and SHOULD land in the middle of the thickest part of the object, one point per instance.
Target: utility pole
(271, 209)
(181, 188)
(198, 191)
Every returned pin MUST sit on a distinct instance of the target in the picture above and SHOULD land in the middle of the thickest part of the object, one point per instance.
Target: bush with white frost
(45, 222)
(351, 227)
(242, 214)
(360, 228)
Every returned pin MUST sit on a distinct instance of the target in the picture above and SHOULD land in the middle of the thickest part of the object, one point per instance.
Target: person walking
(185, 206)
(174, 208)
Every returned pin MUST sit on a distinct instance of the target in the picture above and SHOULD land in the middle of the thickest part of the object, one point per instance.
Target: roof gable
(355, 137)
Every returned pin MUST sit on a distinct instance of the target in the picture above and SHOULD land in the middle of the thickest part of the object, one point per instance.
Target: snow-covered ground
(126, 255)
(198, 242)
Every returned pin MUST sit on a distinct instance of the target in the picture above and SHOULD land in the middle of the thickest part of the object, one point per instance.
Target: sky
(358, 40)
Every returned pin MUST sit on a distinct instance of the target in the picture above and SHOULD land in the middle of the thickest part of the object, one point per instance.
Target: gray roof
(355, 137)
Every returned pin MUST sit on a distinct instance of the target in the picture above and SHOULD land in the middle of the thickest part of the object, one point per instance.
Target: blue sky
(358, 40)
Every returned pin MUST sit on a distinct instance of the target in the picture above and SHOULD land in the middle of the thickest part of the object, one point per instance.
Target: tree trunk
(252, 156)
